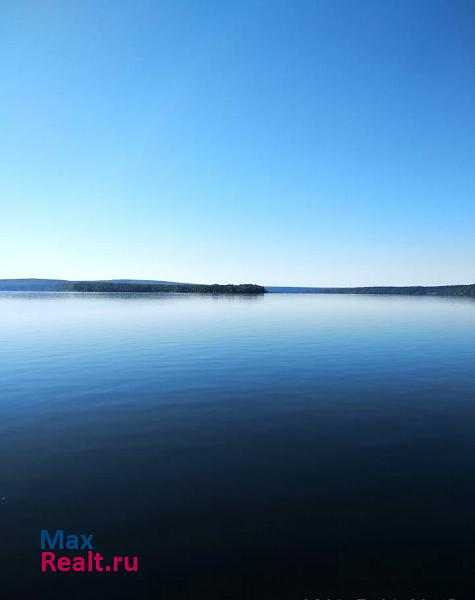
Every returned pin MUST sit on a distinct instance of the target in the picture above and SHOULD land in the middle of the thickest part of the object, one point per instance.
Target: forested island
(182, 288)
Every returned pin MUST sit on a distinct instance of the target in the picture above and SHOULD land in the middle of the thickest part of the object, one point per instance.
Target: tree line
(185, 288)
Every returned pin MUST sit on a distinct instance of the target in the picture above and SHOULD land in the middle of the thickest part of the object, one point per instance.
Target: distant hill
(145, 281)
(31, 285)
(53, 285)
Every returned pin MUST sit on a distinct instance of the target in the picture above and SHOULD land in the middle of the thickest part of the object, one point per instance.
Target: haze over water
(278, 446)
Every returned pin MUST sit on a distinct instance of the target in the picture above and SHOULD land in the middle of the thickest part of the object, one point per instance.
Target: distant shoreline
(126, 286)
(152, 286)
(416, 290)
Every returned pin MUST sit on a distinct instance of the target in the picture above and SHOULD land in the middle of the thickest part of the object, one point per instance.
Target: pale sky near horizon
(314, 142)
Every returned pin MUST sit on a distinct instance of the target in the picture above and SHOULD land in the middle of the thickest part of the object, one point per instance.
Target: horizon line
(151, 281)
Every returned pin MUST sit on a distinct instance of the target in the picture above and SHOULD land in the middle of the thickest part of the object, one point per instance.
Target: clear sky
(286, 142)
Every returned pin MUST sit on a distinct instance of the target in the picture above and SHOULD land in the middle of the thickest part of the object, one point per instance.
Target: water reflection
(281, 446)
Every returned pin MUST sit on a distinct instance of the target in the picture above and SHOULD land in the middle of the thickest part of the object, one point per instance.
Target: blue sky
(304, 142)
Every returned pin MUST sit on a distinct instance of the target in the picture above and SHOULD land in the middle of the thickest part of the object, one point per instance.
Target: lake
(285, 446)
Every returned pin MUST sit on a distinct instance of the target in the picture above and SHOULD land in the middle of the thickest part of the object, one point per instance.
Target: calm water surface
(277, 447)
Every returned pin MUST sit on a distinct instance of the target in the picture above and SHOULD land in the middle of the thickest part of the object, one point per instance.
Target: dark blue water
(276, 447)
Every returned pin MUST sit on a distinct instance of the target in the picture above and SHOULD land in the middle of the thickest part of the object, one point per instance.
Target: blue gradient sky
(307, 142)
